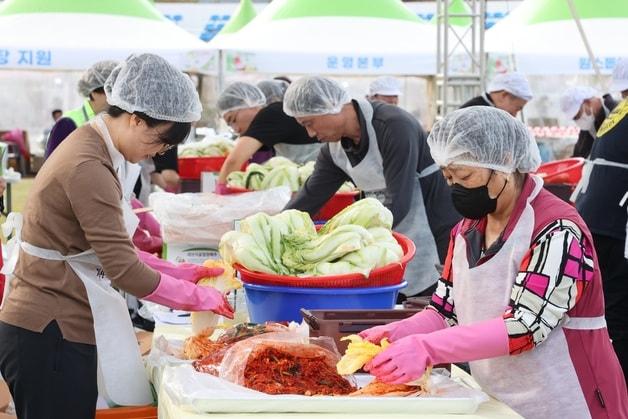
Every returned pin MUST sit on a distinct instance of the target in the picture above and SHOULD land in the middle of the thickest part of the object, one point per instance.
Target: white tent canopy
(74, 40)
(305, 37)
(543, 37)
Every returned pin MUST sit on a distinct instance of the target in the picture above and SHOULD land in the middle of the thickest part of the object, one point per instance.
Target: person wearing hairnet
(385, 89)
(273, 90)
(162, 169)
(508, 91)
(601, 198)
(382, 149)
(520, 297)
(283, 78)
(63, 324)
(243, 107)
(583, 106)
(620, 77)
(91, 87)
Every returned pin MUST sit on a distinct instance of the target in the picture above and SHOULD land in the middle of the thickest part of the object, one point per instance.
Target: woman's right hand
(426, 321)
(184, 295)
(377, 333)
(217, 302)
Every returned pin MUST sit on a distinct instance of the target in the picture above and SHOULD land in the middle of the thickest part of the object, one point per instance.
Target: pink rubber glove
(426, 321)
(149, 223)
(221, 189)
(182, 295)
(407, 359)
(142, 240)
(185, 271)
(147, 236)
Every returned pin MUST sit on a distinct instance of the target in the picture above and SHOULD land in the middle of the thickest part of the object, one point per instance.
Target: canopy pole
(583, 35)
(221, 70)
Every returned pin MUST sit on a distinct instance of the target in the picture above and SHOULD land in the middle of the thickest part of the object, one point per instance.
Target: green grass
(19, 192)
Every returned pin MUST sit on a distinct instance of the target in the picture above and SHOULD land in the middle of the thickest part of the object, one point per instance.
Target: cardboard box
(340, 323)
(189, 253)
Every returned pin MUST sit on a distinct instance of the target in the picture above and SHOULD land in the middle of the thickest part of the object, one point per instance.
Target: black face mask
(474, 203)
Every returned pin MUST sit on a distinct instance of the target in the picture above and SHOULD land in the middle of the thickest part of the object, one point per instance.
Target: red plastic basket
(235, 189)
(391, 274)
(567, 171)
(336, 203)
(190, 168)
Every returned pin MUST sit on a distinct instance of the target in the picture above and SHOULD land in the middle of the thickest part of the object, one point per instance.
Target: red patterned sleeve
(551, 279)
(443, 299)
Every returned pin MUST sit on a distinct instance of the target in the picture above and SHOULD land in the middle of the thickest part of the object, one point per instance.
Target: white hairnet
(620, 75)
(386, 86)
(240, 95)
(572, 99)
(514, 83)
(95, 76)
(273, 90)
(314, 95)
(149, 84)
(484, 136)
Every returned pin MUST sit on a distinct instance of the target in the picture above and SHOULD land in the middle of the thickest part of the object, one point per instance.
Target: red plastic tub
(234, 189)
(140, 412)
(190, 168)
(391, 274)
(567, 171)
(336, 203)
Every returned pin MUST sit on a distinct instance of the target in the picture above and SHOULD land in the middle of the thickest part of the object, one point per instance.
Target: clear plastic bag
(257, 362)
(197, 218)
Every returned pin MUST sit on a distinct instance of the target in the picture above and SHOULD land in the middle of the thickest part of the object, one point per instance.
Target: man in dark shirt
(509, 92)
(383, 150)
(243, 106)
(602, 201)
(582, 105)
(164, 172)
(385, 89)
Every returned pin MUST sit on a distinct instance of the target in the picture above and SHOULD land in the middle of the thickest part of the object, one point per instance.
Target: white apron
(541, 383)
(122, 378)
(298, 153)
(147, 169)
(368, 176)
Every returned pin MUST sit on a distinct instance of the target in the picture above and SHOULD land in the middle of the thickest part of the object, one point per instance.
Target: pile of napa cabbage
(357, 240)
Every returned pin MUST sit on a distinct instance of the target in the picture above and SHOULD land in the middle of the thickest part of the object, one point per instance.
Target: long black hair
(174, 135)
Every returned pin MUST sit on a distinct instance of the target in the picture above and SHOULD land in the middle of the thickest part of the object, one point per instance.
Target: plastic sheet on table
(204, 393)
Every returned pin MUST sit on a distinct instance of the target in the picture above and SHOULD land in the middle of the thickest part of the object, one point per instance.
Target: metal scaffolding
(460, 57)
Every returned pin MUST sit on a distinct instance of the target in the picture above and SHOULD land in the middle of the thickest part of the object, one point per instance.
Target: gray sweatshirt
(403, 146)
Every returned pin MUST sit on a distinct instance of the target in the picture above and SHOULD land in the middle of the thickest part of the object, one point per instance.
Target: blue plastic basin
(271, 303)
